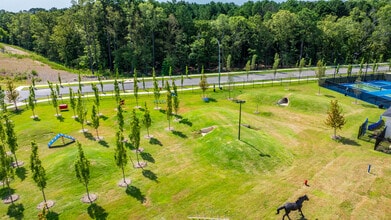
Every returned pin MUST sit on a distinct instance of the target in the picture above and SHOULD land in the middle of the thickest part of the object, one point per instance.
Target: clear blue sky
(19, 5)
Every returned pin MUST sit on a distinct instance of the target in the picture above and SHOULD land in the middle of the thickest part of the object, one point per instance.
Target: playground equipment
(62, 136)
(63, 107)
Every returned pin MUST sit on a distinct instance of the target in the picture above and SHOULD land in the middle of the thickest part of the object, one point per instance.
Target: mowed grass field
(215, 175)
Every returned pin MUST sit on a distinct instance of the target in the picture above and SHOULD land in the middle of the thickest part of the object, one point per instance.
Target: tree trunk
(88, 193)
(44, 199)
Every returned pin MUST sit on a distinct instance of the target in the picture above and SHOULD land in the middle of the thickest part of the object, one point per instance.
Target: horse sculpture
(291, 206)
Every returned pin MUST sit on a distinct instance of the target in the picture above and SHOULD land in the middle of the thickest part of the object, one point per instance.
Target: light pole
(218, 43)
(240, 114)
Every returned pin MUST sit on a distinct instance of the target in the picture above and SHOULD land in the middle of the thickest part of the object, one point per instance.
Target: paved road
(44, 92)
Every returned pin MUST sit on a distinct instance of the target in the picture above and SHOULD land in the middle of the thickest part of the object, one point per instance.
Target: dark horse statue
(291, 206)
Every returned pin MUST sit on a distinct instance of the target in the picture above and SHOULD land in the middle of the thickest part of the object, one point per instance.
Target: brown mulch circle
(140, 165)
(11, 199)
(125, 183)
(85, 199)
(49, 204)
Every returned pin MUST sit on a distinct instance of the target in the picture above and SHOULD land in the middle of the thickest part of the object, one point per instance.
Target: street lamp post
(218, 42)
(240, 114)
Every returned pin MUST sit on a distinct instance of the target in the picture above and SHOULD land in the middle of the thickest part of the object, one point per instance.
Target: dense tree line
(125, 35)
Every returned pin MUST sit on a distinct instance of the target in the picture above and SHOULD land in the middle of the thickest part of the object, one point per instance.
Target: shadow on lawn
(89, 136)
(21, 173)
(179, 134)
(147, 156)
(155, 141)
(150, 175)
(104, 143)
(261, 154)
(16, 211)
(186, 122)
(5, 192)
(97, 212)
(135, 193)
(52, 215)
(348, 141)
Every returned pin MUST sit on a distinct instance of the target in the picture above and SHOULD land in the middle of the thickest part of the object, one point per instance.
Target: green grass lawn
(215, 175)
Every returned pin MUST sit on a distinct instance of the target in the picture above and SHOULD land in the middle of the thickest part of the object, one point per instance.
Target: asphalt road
(213, 79)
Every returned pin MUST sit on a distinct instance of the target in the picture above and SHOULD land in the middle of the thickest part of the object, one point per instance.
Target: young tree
(169, 104)
(156, 90)
(12, 94)
(79, 83)
(135, 87)
(175, 98)
(357, 89)
(6, 172)
(335, 119)
(275, 64)
(53, 94)
(134, 136)
(97, 98)
(248, 68)
(349, 70)
(82, 169)
(254, 62)
(147, 121)
(229, 62)
(31, 101)
(301, 66)
(203, 82)
(95, 121)
(72, 102)
(120, 118)
(100, 83)
(320, 72)
(3, 105)
(360, 71)
(187, 70)
(81, 112)
(182, 79)
(143, 79)
(116, 91)
(38, 172)
(59, 79)
(120, 156)
(12, 141)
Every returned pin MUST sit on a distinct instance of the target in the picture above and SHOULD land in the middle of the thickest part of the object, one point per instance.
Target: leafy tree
(135, 87)
(3, 105)
(116, 92)
(182, 80)
(254, 62)
(229, 62)
(169, 104)
(120, 156)
(39, 174)
(12, 94)
(79, 83)
(175, 98)
(248, 68)
(95, 120)
(147, 121)
(53, 94)
(335, 119)
(100, 83)
(187, 70)
(82, 169)
(203, 82)
(360, 71)
(59, 80)
(31, 101)
(156, 90)
(301, 66)
(12, 140)
(97, 97)
(357, 88)
(6, 171)
(276, 64)
(81, 111)
(72, 101)
(349, 70)
(143, 79)
(134, 136)
(120, 118)
(320, 72)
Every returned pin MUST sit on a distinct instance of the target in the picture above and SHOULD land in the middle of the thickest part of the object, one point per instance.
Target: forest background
(106, 36)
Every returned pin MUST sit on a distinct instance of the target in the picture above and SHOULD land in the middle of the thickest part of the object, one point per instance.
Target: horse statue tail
(278, 210)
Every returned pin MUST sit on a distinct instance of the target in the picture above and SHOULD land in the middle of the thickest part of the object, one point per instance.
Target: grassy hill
(215, 175)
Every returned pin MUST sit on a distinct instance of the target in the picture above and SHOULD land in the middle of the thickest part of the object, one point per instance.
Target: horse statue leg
(278, 210)
(301, 212)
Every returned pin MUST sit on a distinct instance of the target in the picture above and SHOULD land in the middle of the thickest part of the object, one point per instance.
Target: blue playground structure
(62, 136)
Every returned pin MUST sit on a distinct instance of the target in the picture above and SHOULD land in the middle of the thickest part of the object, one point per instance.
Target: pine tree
(39, 174)
(335, 119)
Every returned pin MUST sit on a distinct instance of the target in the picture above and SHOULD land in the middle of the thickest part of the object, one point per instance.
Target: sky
(20, 5)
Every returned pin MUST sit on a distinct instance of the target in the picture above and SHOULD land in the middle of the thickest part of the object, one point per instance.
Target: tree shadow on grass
(21, 173)
(150, 175)
(186, 122)
(347, 141)
(52, 215)
(162, 111)
(147, 156)
(135, 193)
(330, 96)
(15, 211)
(261, 154)
(89, 136)
(97, 212)
(155, 141)
(5, 192)
(104, 143)
(179, 134)
(60, 118)
(36, 119)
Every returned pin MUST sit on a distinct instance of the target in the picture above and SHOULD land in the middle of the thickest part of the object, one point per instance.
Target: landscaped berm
(190, 175)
